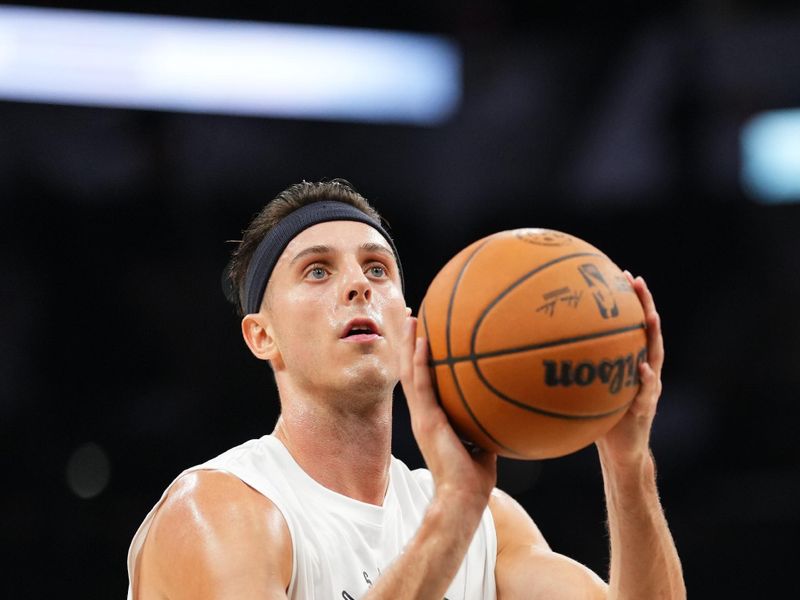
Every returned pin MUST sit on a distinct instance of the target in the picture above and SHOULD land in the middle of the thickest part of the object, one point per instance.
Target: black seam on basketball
(452, 365)
(453, 295)
(425, 324)
(528, 348)
(517, 283)
(472, 415)
(422, 314)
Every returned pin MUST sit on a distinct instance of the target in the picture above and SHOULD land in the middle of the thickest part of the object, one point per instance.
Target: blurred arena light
(770, 150)
(226, 67)
(88, 470)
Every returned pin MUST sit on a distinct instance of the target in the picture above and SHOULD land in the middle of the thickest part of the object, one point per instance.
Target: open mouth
(361, 330)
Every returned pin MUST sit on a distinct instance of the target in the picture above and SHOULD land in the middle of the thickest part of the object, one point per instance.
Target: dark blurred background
(121, 363)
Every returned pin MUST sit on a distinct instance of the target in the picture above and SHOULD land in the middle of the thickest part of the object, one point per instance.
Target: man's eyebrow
(320, 249)
(323, 249)
(373, 247)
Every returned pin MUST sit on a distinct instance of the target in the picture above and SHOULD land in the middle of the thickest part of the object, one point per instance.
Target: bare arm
(527, 569)
(644, 560)
(433, 556)
(463, 483)
(214, 537)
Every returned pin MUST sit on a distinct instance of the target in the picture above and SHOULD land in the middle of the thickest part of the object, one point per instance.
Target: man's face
(336, 309)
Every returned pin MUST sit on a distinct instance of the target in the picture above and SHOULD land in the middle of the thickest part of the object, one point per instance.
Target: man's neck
(346, 451)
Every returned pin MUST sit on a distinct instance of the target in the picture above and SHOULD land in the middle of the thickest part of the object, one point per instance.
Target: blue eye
(377, 271)
(317, 273)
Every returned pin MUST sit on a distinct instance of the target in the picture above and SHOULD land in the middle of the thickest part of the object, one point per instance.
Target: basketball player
(320, 508)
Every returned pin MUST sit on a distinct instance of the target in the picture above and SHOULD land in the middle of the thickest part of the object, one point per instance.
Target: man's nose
(357, 286)
(355, 293)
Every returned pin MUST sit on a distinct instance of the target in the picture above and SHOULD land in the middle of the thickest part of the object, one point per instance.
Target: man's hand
(457, 472)
(628, 442)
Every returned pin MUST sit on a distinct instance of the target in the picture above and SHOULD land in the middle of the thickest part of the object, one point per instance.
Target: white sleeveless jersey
(341, 545)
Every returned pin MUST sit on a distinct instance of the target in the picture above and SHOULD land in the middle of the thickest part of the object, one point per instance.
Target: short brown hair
(289, 200)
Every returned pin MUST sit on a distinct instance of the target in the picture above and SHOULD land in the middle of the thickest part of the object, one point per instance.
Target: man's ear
(259, 336)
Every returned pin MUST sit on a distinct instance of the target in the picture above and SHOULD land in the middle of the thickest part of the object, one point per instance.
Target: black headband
(274, 243)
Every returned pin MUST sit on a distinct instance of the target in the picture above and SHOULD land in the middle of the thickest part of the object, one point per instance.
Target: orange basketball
(535, 339)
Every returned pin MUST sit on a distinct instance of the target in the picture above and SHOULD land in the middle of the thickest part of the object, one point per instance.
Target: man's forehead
(335, 235)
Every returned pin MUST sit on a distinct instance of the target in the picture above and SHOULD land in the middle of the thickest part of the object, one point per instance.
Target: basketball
(535, 339)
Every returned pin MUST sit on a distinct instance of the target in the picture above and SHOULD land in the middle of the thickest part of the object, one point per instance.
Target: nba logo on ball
(535, 340)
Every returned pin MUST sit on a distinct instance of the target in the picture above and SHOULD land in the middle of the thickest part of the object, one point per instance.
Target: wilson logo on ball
(616, 374)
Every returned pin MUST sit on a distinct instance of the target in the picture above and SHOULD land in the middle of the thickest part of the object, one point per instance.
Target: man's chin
(369, 377)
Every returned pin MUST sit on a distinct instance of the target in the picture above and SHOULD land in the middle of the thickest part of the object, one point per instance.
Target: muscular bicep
(526, 566)
(215, 537)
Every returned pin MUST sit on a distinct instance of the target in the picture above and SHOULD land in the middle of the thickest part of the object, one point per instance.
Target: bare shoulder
(213, 536)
